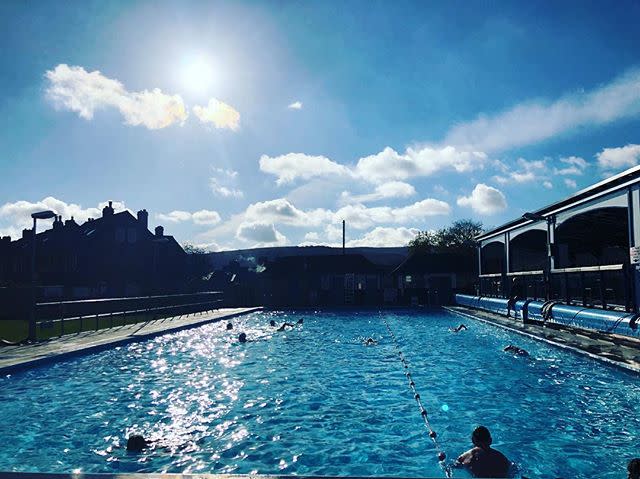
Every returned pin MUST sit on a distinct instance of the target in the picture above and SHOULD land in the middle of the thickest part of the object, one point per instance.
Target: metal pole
(32, 302)
(343, 236)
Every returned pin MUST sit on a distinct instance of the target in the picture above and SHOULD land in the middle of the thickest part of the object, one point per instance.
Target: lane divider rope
(423, 411)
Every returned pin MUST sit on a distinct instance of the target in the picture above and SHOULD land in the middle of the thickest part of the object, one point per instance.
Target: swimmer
(272, 323)
(229, 326)
(457, 329)
(370, 342)
(482, 460)
(300, 321)
(242, 338)
(284, 325)
(137, 443)
(516, 350)
(633, 469)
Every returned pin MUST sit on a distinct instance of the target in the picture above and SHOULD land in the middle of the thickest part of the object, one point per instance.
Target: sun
(197, 74)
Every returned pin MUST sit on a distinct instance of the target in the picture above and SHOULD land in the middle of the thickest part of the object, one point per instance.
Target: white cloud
(224, 191)
(618, 158)
(311, 236)
(282, 211)
(360, 217)
(263, 234)
(73, 88)
(538, 120)
(484, 199)
(296, 105)
(175, 216)
(291, 166)
(575, 166)
(570, 183)
(391, 189)
(385, 237)
(202, 217)
(206, 217)
(547, 184)
(17, 215)
(528, 171)
(218, 114)
(221, 185)
(391, 165)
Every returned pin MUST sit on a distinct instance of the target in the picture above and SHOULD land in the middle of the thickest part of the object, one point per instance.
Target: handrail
(125, 298)
(125, 313)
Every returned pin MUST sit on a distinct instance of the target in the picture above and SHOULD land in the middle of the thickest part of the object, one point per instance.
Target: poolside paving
(19, 357)
(621, 351)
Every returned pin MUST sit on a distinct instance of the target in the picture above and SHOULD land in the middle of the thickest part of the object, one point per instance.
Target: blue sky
(238, 124)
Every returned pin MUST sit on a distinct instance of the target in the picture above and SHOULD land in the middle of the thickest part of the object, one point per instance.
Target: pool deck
(14, 358)
(620, 351)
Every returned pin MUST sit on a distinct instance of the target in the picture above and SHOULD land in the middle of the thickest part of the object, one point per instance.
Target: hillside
(382, 256)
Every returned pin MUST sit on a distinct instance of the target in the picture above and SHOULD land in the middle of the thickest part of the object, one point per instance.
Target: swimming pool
(315, 400)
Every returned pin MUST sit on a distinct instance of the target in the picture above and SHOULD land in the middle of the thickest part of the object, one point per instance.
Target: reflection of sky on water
(315, 400)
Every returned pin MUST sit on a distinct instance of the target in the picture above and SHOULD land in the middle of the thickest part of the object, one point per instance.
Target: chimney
(108, 210)
(143, 219)
(159, 231)
(343, 236)
(57, 223)
(27, 233)
(5, 240)
(70, 222)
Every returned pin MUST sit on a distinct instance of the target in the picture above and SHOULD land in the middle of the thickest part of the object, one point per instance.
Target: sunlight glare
(197, 74)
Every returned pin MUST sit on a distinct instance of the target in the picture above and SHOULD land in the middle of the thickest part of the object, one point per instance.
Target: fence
(57, 318)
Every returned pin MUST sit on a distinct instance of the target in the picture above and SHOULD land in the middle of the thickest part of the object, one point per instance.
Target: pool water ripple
(315, 400)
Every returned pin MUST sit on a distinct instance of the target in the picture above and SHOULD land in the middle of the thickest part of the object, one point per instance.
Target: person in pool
(457, 329)
(285, 325)
(482, 460)
(516, 350)
(137, 443)
(272, 323)
(370, 342)
(229, 326)
(242, 338)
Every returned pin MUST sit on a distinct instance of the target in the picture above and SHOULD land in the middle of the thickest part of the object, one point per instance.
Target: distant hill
(390, 257)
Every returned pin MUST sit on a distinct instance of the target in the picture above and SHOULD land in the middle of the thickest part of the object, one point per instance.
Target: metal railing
(111, 312)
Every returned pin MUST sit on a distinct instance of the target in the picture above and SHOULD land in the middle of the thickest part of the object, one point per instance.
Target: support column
(634, 245)
(506, 285)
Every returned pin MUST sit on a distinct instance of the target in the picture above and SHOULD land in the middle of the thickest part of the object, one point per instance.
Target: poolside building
(582, 250)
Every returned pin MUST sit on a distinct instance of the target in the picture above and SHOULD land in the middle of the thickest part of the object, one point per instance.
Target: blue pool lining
(549, 341)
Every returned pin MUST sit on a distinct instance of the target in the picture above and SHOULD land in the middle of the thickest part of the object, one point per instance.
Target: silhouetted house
(434, 278)
(333, 280)
(115, 255)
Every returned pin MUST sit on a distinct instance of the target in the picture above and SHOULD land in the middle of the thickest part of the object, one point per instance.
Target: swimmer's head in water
(136, 443)
(481, 437)
(272, 323)
(242, 338)
(229, 326)
(300, 321)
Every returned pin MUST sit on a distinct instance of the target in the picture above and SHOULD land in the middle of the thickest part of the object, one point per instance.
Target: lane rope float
(423, 411)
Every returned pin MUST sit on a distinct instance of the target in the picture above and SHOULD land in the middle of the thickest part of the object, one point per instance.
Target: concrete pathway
(621, 351)
(13, 358)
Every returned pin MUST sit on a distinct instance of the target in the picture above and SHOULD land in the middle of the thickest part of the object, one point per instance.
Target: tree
(457, 238)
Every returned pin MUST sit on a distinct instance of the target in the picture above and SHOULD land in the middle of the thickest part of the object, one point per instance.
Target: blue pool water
(315, 400)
